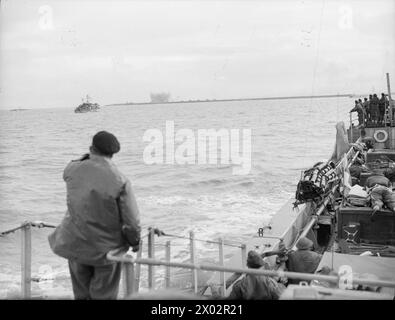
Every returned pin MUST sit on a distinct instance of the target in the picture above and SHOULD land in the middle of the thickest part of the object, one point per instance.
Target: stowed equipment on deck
(316, 182)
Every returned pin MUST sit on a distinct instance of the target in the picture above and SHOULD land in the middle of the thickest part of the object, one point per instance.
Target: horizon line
(347, 95)
(344, 95)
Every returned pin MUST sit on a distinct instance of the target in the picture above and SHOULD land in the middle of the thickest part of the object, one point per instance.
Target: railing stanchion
(243, 255)
(138, 267)
(221, 263)
(151, 255)
(128, 278)
(193, 261)
(167, 276)
(26, 261)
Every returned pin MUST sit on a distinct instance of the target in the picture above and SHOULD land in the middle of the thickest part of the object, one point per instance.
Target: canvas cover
(342, 145)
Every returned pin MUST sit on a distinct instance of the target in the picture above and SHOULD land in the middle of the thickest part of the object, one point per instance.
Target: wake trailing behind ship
(87, 106)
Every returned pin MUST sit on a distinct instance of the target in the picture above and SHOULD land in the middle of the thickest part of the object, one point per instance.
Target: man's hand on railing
(136, 248)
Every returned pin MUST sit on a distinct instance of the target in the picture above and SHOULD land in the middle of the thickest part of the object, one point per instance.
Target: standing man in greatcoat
(102, 215)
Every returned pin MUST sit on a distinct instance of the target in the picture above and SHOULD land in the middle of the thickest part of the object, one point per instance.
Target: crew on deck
(361, 114)
(377, 178)
(382, 106)
(102, 215)
(365, 106)
(256, 287)
(367, 140)
(374, 110)
(381, 194)
(304, 259)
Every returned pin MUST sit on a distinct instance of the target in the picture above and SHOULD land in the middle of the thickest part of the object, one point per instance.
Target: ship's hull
(85, 111)
(87, 107)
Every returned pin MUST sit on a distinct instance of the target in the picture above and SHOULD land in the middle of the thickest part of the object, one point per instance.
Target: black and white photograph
(216, 151)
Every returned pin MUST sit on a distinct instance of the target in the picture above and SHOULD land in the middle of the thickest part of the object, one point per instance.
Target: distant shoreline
(240, 99)
(349, 95)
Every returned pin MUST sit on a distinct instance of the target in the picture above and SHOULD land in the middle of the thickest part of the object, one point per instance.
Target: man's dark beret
(106, 143)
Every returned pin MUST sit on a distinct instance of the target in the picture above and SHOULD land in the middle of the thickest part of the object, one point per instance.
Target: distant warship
(87, 106)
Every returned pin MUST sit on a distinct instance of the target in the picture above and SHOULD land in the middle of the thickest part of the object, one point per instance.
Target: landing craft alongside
(332, 210)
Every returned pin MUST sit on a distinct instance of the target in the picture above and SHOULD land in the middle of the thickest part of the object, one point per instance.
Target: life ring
(385, 136)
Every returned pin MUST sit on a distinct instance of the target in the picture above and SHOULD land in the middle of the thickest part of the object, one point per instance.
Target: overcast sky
(53, 53)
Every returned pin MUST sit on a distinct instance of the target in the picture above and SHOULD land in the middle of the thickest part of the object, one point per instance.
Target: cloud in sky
(54, 52)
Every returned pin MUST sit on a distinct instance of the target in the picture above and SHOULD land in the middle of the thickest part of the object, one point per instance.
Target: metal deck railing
(115, 255)
(192, 253)
(26, 252)
(132, 271)
(149, 238)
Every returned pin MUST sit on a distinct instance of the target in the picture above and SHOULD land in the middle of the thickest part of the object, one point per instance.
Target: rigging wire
(317, 52)
(316, 62)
